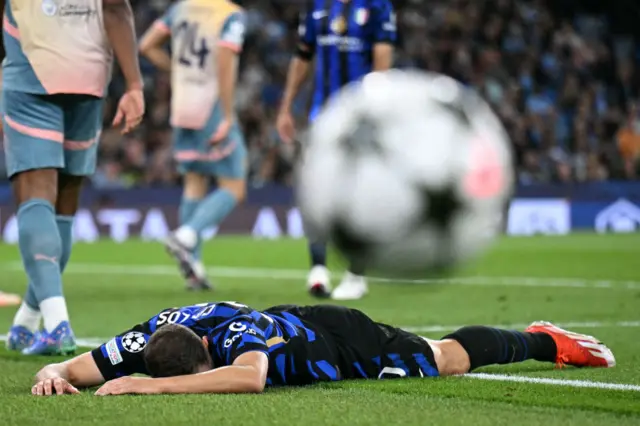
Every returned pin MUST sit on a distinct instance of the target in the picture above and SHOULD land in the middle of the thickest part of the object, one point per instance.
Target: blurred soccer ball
(405, 173)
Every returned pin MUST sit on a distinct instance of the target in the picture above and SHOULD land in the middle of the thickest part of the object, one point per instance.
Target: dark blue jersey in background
(342, 34)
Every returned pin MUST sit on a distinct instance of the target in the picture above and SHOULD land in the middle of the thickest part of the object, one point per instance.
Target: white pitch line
(296, 274)
(554, 382)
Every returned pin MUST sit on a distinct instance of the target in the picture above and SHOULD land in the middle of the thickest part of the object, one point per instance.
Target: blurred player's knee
(236, 187)
(212, 210)
(196, 186)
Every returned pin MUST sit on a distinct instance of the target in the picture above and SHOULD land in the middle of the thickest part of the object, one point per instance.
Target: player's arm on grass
(120, 356)
(229, 47)
(67, 376)
(297, 74)
(152, 42)
(385, 35)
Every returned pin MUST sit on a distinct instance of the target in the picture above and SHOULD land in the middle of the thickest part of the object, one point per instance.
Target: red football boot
(579, 350)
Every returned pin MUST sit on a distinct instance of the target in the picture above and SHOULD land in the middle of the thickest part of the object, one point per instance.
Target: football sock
(188, 207)
(28, 317)
(211, 211)
(487, 345)
(54, 311)
(318, 252)
(65, 228)
(41, 250)
(356, 269)
(30, 298)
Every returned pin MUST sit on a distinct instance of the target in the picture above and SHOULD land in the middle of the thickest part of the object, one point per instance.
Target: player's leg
(33, 126)
(477, 346)
(353, 285)
(82, 125)
(195, 187)
(319, 278)
(226, 160)
(186, 151)
(187, 146)
(231, 172)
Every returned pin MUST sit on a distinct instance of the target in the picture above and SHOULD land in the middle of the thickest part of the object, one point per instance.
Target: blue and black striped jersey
(304, 344)
(341, 34)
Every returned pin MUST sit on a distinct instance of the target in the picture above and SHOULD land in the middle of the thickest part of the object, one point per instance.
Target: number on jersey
(191, 48)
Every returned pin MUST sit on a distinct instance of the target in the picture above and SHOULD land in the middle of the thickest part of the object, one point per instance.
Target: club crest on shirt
(362, 16)
(339, 25)
(49, 7)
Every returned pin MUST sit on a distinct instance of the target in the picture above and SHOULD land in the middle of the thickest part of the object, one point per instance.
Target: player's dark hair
(175, 350)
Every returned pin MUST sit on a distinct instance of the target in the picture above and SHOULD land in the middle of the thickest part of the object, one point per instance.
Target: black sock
(486, 345)
(356, 269)
(318, 253)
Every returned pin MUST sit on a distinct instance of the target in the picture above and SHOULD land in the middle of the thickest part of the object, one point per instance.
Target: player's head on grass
(175, 350)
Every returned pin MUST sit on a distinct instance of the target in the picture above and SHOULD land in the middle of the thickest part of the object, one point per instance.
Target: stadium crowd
(567, 89)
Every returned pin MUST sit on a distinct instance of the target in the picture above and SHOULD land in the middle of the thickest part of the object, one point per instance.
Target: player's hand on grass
(57, 386)
(128, 385)
(286, 127)
(222, 132)
(130, 110)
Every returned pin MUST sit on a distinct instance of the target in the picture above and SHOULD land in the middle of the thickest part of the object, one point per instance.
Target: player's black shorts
(367, 349)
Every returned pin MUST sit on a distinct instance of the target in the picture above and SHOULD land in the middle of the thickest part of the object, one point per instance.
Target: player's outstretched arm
(247, 374)
(66, 377)
(151, 46)
(385, 35)
(297, 74)
(382, 56)
(119, 26)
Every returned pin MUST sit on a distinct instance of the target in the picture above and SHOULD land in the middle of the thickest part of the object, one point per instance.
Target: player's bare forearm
(247, 374)
(151, 48)
(227, 72)
(80, 371)
(230, 379)
(382, 56)
(159, 58)
(298, 72)
(119, 26)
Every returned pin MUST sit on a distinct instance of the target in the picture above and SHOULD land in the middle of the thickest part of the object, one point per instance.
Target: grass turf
(110, 287)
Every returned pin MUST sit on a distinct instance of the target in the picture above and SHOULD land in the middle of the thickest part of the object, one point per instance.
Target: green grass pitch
(590, 281)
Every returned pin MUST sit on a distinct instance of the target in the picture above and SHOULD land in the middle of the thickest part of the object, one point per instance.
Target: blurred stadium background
(563, 75)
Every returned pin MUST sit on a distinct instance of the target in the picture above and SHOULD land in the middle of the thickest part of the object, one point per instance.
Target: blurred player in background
(206, 38)
(348, 39)
(55, 76)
